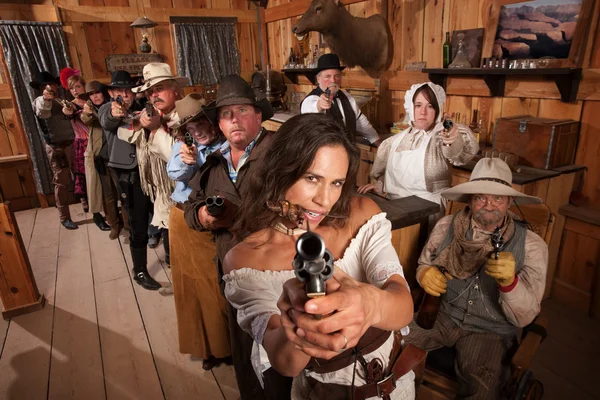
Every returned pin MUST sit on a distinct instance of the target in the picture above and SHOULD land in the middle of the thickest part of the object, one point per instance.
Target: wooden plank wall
(418, 28)
(16, 174)
(94, 29)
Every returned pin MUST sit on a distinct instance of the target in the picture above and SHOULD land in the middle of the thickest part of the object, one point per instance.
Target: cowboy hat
(328, 61)
(234, 90)
(191, 108)
(121, 80)
(490, 176)
(91, 87)
(158, 72)
(44, 78)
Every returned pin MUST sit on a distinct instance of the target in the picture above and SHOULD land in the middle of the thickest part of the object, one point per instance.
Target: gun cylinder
(313, 264)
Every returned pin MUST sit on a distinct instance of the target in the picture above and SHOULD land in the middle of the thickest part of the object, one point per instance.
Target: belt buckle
(383, 381)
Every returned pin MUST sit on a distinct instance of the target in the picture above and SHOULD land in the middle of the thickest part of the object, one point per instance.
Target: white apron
(405, 174)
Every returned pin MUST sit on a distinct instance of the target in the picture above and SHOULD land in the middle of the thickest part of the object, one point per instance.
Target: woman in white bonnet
(416, 161)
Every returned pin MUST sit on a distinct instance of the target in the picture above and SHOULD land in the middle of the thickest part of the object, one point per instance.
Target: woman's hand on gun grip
(67, 110)
(349, 309)
(87, 109)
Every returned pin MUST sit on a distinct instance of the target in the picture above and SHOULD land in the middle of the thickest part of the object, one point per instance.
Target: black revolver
(188, 139)
(448, 124)
(215, 205)
(313, 264)
(149, 110)
(497, 241)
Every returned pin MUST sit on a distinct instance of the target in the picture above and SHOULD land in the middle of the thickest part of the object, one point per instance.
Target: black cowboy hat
(121, 79)
(44, 78)
(234, 90)
(328, 61)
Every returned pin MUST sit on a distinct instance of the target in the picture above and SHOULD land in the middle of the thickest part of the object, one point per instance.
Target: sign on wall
(132, 63)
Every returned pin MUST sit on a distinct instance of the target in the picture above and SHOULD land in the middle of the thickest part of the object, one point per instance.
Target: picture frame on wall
(473, 41)
(513, 23)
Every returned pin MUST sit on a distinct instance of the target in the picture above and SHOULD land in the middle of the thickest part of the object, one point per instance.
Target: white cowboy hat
(490, 176)
(157, 72)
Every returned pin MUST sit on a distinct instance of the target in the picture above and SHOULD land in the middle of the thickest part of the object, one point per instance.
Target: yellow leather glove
(502, 269)
(433, 281)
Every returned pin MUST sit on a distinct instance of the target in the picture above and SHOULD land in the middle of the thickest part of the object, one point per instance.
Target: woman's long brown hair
(291, 154)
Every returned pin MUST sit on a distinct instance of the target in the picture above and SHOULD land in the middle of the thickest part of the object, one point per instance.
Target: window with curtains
(206, 49)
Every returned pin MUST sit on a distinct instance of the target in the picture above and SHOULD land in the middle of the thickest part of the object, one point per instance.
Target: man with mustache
(338, 103)
(239, 112)
(484, 300)
(151, 134)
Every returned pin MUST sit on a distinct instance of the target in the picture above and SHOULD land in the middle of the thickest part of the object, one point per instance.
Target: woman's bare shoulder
(247, 253)
(362, 209)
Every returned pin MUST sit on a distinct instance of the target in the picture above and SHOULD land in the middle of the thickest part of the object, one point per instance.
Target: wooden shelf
(292, 74)
(566, 79)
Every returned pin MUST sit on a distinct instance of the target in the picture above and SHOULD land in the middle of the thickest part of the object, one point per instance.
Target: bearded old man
(484, 300)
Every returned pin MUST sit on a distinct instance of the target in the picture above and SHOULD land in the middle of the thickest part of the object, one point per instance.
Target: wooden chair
(439, 379)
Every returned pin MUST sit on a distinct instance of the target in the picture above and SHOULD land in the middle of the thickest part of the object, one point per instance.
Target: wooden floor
(101, 336)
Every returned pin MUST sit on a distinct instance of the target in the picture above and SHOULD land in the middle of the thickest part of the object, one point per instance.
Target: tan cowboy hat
(234, 90)
(158, 72)
(190, 108)
(490, 176)
(91, 87)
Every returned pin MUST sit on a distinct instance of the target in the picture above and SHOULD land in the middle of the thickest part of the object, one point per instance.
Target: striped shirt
(226, 153)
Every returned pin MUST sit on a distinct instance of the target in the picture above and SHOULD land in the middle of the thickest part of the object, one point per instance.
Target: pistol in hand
(149, 110)
(188, 139)
(497, 241)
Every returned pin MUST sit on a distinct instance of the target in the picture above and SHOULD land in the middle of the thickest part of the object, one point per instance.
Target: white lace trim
(383, 271)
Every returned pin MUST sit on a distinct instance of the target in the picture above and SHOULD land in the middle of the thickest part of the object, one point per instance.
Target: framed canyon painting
(539, 29)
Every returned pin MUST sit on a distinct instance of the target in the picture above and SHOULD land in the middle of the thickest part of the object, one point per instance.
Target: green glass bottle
(447, 51)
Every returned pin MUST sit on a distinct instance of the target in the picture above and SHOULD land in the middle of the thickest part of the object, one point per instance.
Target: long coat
(95, 142)
(213, 180)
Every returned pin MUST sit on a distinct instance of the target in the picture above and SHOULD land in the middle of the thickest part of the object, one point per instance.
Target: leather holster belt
(379, 383)
(372, 339)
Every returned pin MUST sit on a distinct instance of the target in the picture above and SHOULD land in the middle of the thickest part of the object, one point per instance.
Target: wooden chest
(539, 142)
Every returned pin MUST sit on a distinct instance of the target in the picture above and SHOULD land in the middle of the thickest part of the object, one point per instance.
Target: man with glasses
(484, 298)
(239, 112)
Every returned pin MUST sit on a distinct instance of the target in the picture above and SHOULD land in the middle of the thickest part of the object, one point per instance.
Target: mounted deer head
(366, 42)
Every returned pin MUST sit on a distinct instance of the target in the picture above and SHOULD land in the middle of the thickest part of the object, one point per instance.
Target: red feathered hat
(65, 74)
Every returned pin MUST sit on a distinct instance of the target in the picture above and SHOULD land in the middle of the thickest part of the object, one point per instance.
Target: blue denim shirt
(181, 172)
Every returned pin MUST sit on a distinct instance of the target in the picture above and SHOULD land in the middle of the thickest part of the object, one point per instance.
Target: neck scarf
(463, 257)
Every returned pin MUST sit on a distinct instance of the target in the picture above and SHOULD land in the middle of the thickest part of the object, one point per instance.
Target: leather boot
(140, 269)
(165, 237)
(112, 218)
(100, 223)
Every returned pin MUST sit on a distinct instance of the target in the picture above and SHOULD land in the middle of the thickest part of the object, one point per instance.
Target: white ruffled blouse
(370, 257)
